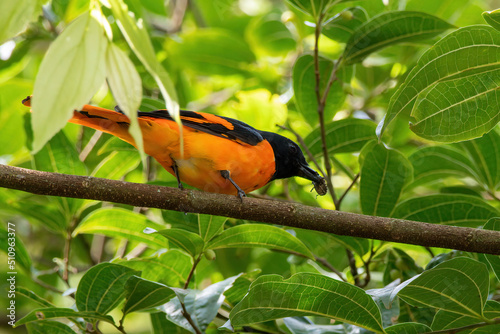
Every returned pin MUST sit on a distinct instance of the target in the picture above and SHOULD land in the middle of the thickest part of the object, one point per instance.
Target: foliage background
(251, 60)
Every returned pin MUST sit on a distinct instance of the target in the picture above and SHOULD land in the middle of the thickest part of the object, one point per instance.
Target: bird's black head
(290, 161)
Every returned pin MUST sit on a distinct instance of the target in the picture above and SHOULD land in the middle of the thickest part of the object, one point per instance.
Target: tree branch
(274, 212)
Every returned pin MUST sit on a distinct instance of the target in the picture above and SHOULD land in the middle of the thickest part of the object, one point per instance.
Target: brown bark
(268, 211)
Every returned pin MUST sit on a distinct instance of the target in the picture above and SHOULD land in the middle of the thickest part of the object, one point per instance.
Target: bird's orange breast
(205, 155)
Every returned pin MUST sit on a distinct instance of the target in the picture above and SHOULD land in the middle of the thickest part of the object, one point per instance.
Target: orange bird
(221, 154)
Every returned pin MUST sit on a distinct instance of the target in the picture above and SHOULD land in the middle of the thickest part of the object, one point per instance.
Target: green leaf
(459, 285)
(390, 28)
(42, 327)
(435, 163)
(341, 27)
(70, 74)
(117, 164)
(121, 223)
(46, 213)
(259, 235)
(142, 294)
(272, 297)
(15, 251)
(12, 113)
(170, 268)
(190, 242)
(138, 39)
(102, 287)
(344, 136)
(384, 172)
(493, 18)
(126, 85)
(448, 320)
(360, 246)
(485, 154)
(458, 210)
(57, 312)
(210, 226)
(493, 260)
(21, 291)
(240, 287)
(458, 109)
(492, 309)
(270, 35)
(59, 156)
(213, 51)
(203, 306)
(304, 85)
(313, 7)
(15, 16)
(161, 325)
(408, 328)
(471, 49)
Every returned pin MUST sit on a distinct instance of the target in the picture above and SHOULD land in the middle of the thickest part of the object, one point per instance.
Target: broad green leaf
(161, 325)
(213, 51)
(142, 294)
(42, 327)
(343, 25)
(493, 260)
(408, 328)
(15, 16)
(59, 155)
(302, 325)
(458, 210)
(360, 246)
(191, 243)
(471, 50)
(384, 172)
(458, 109)
(126, 85)
(459, 285)
(448, 320)
(270, 35)
(202, 306)
(170, 268)
(102, 287)
(272, 297)
(485, 154)
(138, 39)
(313, 7)
(435, 163)
(344, 136)
(46, 213)
(390, 28)
(12, 113)
(492, 309)
(210, 226)
(15, 251)
(259, 235)
(21, 291)
(117, 164)
(384, 299)
(121, 223)
(304, 85)
(240, 286)
(70, 74)
(493, 18)
(115, 144)
(56, 312)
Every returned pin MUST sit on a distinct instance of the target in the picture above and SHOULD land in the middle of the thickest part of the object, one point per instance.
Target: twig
(339, 202)
(186, 315)
(328, 265)
(195, 263)
(352, 266)
(266, 211)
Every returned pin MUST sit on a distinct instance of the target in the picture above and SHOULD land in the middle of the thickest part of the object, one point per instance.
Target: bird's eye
(293, 149)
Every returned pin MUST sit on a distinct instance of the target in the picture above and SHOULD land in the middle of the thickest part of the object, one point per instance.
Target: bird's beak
(308, 173)
(319, 183)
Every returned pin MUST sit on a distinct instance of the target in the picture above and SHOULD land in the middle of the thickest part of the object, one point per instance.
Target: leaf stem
(195, 263)
(339, 202)
(186, 315)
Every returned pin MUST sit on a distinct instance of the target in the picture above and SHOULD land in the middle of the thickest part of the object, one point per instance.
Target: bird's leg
(176, 171)
(225, 174)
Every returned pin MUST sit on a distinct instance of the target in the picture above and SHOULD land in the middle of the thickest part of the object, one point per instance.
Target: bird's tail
(105, 120)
